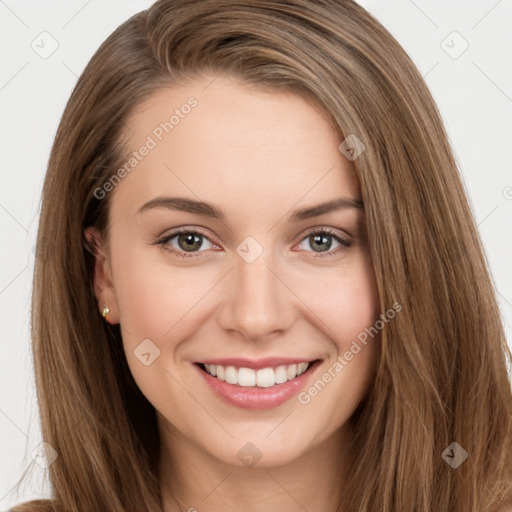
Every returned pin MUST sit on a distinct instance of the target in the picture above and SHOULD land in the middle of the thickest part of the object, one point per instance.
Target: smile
(262, 378)
(263, 384)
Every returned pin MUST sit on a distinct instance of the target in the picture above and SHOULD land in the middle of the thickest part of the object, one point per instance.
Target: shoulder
(36, 506)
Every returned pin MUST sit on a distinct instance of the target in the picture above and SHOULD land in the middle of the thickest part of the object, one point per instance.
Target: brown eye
(321, 242)
(185, 243)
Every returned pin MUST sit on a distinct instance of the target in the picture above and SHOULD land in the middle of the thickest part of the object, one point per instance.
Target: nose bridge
(256, 303)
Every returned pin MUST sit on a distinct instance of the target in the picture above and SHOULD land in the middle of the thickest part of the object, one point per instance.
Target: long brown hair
(442, 376)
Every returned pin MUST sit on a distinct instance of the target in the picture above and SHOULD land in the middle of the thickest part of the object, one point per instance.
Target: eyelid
(170, 233)
(334, 232)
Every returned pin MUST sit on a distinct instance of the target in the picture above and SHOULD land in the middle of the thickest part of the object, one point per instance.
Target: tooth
(231, 375)
(291, 371)
(221, 374)
(246, 377)
(301, 368)
(281, 375)
(265, 378)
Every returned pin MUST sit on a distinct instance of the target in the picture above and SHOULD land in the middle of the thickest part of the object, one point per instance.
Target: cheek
(352, 305)
(160, 305)
(348, 303)
(154, 299)
(152, 295)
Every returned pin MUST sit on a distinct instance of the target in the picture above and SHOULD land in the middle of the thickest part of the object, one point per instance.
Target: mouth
(270, 376)
(263, 384)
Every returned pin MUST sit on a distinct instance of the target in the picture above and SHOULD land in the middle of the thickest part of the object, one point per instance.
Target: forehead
(226, 141)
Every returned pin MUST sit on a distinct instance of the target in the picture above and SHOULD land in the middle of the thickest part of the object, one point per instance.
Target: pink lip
(256, 364)
(254, 397)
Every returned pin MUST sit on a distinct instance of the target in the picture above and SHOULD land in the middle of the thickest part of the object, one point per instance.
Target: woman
(266, 288)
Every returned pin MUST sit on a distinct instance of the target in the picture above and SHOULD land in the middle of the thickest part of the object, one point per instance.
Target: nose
(258, 304)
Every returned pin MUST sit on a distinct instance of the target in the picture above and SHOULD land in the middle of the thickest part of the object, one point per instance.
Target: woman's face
(262, 279)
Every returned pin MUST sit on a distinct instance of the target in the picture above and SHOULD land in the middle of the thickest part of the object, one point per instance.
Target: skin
(259, 156)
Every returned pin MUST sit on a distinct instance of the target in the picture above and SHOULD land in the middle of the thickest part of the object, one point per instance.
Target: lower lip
(255, 397)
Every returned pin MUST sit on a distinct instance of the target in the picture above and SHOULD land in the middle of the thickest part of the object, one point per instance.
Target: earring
(105, 311)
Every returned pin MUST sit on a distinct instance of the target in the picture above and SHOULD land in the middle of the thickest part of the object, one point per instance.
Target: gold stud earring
(105, 311)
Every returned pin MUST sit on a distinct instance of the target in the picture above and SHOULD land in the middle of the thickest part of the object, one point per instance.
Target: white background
(473, 91)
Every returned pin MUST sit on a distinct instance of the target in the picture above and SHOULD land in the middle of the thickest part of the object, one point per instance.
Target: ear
(103, 283)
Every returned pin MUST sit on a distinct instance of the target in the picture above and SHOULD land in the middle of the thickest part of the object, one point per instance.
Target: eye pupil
(190, 241)
(322, 240)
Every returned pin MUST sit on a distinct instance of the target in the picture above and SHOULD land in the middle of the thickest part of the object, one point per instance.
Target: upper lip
(257, 364)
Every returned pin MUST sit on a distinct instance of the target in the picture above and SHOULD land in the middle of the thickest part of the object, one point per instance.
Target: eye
(187, 242)
(184, 243)
(323, 239)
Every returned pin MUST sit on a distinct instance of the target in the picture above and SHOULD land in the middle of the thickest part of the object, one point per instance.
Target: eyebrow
(208, 210)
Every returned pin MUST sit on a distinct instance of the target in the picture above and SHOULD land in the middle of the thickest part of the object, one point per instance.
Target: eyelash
(164, 242)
